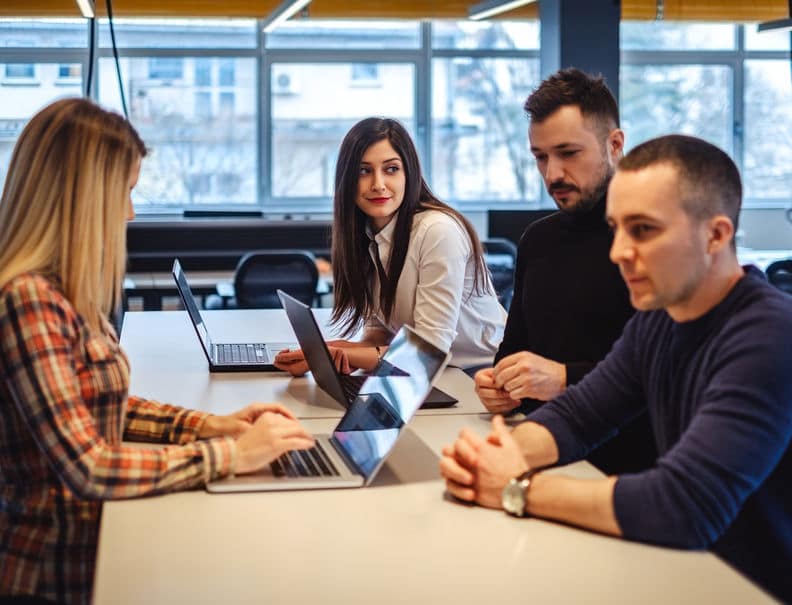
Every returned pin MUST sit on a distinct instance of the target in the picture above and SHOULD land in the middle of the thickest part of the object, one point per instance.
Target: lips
(378, 200)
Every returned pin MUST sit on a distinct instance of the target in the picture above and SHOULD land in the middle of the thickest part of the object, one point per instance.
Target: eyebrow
(633, 217)
(397, 159)
(559, 146)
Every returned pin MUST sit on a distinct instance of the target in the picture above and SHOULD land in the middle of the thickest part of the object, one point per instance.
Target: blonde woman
(64, 408)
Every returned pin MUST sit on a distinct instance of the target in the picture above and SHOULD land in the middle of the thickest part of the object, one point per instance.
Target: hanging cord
(91, 51)
(109, 5)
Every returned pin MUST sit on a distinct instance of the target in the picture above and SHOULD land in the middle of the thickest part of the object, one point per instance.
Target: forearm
(583, 503)
(536, 443)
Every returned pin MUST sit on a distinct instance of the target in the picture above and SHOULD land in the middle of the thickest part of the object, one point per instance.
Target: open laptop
(226, 357)
(341, 387)
(359, 445)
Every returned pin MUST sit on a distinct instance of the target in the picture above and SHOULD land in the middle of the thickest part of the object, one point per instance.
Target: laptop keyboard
(304, 463)
(242, 353)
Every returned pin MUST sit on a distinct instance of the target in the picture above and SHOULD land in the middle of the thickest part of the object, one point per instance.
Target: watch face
(513, 498)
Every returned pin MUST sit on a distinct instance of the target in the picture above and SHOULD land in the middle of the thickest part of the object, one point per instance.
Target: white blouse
(435, 290)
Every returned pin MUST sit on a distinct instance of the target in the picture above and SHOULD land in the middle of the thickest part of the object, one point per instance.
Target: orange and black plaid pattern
(62, 398)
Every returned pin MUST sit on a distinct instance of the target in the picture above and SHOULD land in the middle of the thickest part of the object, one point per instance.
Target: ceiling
(703, 10)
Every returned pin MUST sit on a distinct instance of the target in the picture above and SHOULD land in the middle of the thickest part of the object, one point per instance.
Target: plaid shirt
(62, 399)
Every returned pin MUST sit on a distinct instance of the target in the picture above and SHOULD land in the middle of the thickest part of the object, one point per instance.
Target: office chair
(500, 255)
(260, 274)
(779, 273)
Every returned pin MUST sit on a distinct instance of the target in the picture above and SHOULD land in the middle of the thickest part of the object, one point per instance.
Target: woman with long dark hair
(401, 256)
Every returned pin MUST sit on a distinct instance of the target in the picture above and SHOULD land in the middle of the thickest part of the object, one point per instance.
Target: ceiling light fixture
(485, 10)
(87, 8)
(283, 12)
(778, 24)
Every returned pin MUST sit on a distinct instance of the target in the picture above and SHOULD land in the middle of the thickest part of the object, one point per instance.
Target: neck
(722, 275)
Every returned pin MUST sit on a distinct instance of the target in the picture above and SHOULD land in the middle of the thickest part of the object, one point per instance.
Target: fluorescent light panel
(283, 12)
(777, 25)
(485, 10)
(87, 8)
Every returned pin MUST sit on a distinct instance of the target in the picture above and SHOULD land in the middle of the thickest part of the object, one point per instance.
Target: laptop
(341, 387)
(226, 357)
(361, 442)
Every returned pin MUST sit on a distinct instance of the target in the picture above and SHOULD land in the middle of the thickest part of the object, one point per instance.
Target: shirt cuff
(219, 455)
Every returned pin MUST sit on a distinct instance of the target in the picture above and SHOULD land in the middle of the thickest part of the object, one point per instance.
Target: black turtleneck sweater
(570, 305)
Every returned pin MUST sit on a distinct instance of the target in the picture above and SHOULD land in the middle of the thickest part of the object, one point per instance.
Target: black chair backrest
(497, 250)
(260, 274)
(779, 273)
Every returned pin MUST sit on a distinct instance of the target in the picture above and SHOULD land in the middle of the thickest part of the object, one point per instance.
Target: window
(237, 118)
(481, 76)
(165, 68)
(195, 132)
(203, 72)
(307, 130)
(365, 73)
(725, 83)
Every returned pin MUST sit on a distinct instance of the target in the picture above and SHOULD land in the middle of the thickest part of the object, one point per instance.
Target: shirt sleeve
(39, 335)
(592, 411)
(155, 422)
(442, 256)
(736, 438)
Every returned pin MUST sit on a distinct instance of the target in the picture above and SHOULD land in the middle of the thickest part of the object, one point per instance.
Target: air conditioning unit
(284, 83)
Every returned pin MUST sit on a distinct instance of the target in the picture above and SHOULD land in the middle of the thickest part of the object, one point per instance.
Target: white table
(398, 541)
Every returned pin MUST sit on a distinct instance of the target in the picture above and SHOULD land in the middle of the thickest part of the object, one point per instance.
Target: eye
(540, 157)
(392, 169)
(569, 153)
(641, 230)
(364, 170)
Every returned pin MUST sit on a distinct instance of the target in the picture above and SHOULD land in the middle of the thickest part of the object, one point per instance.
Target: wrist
(514, 497)
(207, 429)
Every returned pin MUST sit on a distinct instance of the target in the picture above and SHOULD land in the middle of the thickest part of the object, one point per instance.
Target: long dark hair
(353, 269)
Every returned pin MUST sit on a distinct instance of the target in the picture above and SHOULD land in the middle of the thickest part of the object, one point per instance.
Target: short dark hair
(572, 86)
(709, 181)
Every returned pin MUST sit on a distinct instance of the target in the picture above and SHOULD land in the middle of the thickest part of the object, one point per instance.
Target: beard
(589, 197)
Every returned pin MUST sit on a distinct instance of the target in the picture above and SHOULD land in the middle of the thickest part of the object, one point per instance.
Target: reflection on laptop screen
(369, 429)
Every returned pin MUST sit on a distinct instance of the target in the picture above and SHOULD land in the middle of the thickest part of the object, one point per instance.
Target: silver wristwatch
(515, 494)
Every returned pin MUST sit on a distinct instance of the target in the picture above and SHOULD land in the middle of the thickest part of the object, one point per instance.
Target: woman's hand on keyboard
(234, 425)
(271, 435)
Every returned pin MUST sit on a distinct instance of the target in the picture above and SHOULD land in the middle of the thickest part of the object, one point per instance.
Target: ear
(721, 233)
(616, 144)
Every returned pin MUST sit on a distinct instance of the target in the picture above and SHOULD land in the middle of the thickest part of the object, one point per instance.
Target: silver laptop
(226, 357)
(341, 387)
(361, 442)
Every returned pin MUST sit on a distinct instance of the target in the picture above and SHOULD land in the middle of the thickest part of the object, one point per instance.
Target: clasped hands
(476, 469)
(518, 376)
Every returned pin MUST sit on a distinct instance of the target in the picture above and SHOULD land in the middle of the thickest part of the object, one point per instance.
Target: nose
(378, 182)
(554, 170)
(621, 250)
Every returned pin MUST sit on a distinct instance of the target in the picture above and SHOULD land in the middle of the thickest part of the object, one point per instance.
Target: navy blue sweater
(719, 395)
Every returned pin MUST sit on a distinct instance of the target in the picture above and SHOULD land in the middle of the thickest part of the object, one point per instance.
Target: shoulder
(34, 296)
(437, 224)
(757, 307)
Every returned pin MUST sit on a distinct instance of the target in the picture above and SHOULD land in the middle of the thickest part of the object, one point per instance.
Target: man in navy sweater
(709, 354)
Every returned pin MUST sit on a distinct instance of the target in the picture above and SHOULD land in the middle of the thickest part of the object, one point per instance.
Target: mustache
(556, 185)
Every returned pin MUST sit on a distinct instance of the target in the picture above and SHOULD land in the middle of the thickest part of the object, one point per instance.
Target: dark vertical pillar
(582, 34)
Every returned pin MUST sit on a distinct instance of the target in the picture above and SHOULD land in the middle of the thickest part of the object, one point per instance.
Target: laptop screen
(369, 429)
(189, 303)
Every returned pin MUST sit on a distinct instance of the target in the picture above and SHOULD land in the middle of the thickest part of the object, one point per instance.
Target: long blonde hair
(65, 200)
